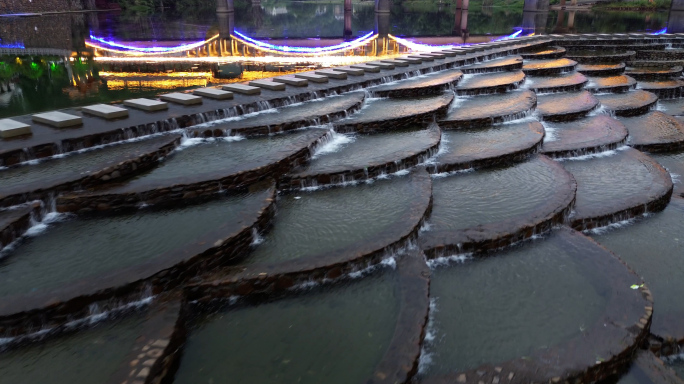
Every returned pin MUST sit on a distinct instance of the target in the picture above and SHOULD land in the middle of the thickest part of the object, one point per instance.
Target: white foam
(594, 155)
(447, 174)
(550, 134)
(620, 224)
(336, 143)
(448, 260)
(425, 359)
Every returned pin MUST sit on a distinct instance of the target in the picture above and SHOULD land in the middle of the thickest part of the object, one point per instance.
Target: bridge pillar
(460, 23)
(224, 6)
(382, 24)
(347, 19)
(534, 22)
(382, 6)
(536, 6)
(677, 5)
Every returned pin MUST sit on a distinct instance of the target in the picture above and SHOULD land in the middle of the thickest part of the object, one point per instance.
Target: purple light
(15, 45)
(151, 49)
(511, 36)
(285, 48)
(664, 30)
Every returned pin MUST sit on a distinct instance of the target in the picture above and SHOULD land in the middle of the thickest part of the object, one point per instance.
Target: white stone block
(147, 104)
(332, 74)
(213, 93)
(312, 77)
(366, 68)
(422, 57)
(412, 59)
(11, 128)
(350, 71)
(266, 84)
(181, 98)
(58, 119)
(381, 65)
(396, 62)
(105, 111)
(243, 89)
(292, 81)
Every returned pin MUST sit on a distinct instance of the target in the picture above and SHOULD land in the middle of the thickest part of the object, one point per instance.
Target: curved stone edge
(489, 120)
(516, 156)
(23, 316)
(629, 111)
(559, 88)
(499, 88)
(672, 146)
(417, 120)
(569, 115)
(125, 166)
(550, 71)
(282, 127)
(382, 167)
(14, 223)
(634, 206)
(664, 93)
(494, 236)
(545, 368)
(602, 72)
(400, 362)
(281, 276)
(99, 203)
(588, 149)
(668, 73)
(603, 59)
(493, 69)
(621, 88)
(558, 53)
(417, 91)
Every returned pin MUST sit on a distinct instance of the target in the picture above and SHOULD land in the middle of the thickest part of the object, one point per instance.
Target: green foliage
(137, 6)
(645, 5)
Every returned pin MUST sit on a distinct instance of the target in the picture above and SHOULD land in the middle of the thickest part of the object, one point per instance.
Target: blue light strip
(151, 49)
(285, 48)
(662, 31)
(511, 36)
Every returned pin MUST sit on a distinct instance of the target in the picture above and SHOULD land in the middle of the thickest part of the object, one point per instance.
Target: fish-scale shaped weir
(424, 85)
(509, 63)
(665, 89)
(390, 114)
(673, 107)
(647, 368)
(567, 304)
(600, 57)
(673, 163)
(613, 84)
(483, 111)
(559, 83)
(473, 85)
(548, 67)
(201, 170)
(628, 104)
(56, 266)
(366, 156)
(655, 132)
(581, 137)
(653, 248)
(291, 340)
(654, 73)
(617, 187)
(601, 69)
(315, 112)
(499, 145)
(488, 209)
(566, 106)
(546, 53)
(26, 182)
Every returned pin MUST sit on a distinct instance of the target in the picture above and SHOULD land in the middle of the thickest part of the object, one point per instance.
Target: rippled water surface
(335, 334)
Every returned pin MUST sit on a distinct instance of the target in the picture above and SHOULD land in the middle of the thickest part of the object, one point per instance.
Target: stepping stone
(213, 93)
(181, 98)
(621, 83)
(11, 128)
(289, 80)
(566, 106)
(583, 137)
(434, 54)
(601, 69)
(618, 187)
(654, 73)
(448, 53)
(559, 83)
(501, 145)
(548, 67)
(58, 119)
(105, 111)
(242, 89)
(422, 57)
(270, 85)
(459, 52)
(490, 83)
(381, 65)
(147, 104)
(483, 111)
(496, 65)
(412, 59)
(366, 68)
(396, 62)
(665, 89)
(431, 84)
(547, 53)
(312, 77)
(333, 74)
(350, 71)
(630, 103)
(654, 132)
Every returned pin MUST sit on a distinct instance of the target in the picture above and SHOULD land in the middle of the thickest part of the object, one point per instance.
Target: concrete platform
(366, 68)
(422, 58)
(448, 53)
(332, 74)
(289, 80)
(435, 55)
(267, 84)
(105, 111)
(58, 119)
(413, 60)
(312, 77)
(381, 65)
(396, 62)
(351, 71)
(181, 98)
(242, 89)
(213, 93)
(147, 104)
(10, 128)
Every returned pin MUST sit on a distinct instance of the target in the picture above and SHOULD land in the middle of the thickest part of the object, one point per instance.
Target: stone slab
(58, 119)
(242, 89)
(105, 111)
(351, 71)
(266, 84)
(366, 68)
(11, 128)
(448, 53)
(422, 58)
(396, 62)
(413, 59)
(381, 64)
(291, 81)
(312, 77)
(436, 55)
(181, 98)
(213, 93)
(147, 104)
(333, 74)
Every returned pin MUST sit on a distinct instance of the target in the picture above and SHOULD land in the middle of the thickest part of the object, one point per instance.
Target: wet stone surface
(654, 131)
(653, 73)
(429, 84)
(497, 65)
(601, 69)
(673, 163)
(665, 89)
(566, 106)
(621, 83)
(585, 136)
(486, 110)
(628, 104)
(548, 67)
(473, 85)
(559, 83)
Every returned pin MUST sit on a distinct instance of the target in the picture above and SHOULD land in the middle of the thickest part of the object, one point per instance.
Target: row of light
(428, 47)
